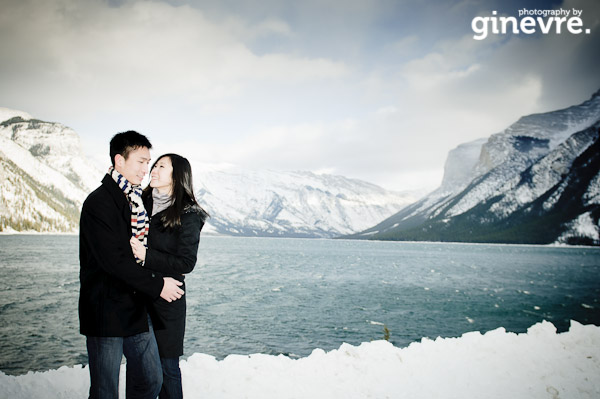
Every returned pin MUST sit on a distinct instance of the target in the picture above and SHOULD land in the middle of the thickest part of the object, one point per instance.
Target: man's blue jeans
(171, 388)
(144, 372)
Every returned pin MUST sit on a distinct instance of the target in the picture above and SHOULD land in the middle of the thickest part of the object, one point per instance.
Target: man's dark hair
(125, 142)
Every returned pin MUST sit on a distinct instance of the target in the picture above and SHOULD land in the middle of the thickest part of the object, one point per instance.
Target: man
(114, 284)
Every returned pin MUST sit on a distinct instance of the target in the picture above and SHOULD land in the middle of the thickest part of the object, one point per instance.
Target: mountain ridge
(45, 177)
(515, 168)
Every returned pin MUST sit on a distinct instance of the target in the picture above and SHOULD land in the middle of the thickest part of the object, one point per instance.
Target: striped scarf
(139, 218)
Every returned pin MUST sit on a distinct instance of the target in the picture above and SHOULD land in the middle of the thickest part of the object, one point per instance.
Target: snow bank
(537, 364)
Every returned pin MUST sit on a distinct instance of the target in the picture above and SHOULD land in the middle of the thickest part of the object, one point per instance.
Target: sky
(376, 90)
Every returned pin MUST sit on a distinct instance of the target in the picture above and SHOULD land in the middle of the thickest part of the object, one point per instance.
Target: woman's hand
(139, 250)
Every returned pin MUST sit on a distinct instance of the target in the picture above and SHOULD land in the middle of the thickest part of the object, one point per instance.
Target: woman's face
(161, 176)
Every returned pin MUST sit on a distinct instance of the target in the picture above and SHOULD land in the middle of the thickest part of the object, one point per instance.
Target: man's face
(135, 167)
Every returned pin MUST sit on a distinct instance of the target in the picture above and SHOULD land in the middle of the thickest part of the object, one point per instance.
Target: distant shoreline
(37, 233)
(553, 245)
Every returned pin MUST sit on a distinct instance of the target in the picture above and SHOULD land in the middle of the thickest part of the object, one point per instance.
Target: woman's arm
(184, 260)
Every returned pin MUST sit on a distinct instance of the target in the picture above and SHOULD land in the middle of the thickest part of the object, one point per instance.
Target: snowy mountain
(44, 175)
(44, 178)
(291, 204)
(535, 182)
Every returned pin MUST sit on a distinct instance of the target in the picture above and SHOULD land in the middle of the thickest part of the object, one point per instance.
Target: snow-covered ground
(498, 364)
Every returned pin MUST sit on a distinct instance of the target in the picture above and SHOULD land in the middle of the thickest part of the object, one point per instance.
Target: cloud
(139, 52)
(370, 89)
(460, 91)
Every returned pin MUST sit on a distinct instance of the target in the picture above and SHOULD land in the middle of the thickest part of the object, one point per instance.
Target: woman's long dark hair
(182, 194)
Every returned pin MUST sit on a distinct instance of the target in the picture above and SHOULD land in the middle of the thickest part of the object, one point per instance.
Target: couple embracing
(135, 246)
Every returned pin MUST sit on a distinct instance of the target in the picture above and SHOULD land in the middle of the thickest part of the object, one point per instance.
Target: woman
(175, 224)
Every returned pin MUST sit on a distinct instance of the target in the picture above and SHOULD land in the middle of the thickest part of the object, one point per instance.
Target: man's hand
(171, 291)
(139, 250)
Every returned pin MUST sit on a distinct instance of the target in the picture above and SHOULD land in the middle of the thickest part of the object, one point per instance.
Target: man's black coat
(111, 298)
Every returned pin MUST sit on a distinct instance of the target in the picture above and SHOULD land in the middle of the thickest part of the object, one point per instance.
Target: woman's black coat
(172, 253)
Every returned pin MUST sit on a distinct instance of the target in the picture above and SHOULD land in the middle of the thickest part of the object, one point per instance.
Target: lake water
(290, 296)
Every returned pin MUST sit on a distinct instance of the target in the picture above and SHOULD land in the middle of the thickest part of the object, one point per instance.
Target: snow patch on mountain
(39, 170)
(582, 226)
(7, 113)
(27, 206)
(53, 145)
(459, 169)
(543, 175)
(592, 195)
(553, 127)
